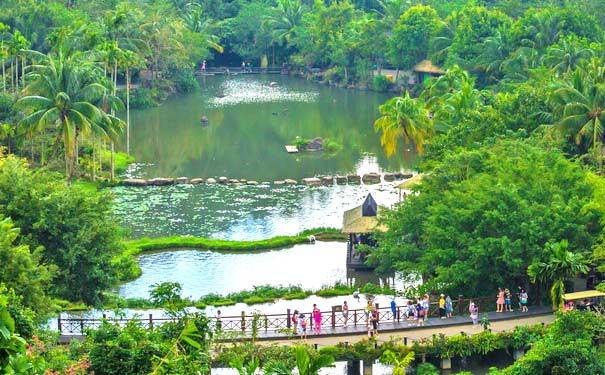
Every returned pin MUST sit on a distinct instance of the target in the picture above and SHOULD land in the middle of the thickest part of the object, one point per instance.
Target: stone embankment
(366, 179)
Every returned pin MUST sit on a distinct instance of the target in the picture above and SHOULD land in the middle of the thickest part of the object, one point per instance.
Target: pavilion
(360, 223)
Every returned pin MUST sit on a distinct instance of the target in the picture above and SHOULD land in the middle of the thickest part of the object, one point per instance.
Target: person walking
(474, 311)
(500, 301)
(411, 312)
(442, 306)
(204, 67)
(507, 304)
(523, 300)
(420, 313)
(345, 314)
(426, 306)
(302, 326)
(368, 311)
(316, 318)
(394, 309)
(449, 307)
(375, 320)
(295, 321)
(219, 322)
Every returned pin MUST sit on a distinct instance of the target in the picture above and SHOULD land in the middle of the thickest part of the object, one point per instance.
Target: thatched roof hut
(364, 218)
(426, 66)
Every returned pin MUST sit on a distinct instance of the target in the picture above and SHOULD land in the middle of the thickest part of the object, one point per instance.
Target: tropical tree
(65, 93)
(283, 21)
(560, 265)
(578, 104)
(196, 22)
(566, 56)
(406, 119)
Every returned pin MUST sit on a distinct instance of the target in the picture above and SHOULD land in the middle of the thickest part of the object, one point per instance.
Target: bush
(381, 83)
(335, 74)
(427, 369)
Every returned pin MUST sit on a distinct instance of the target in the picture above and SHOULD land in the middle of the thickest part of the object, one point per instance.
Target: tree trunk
(3, 76)
(31, 146)
(12, 74)
(93, 161)
(16, 72)
(127, 111)
(67, 163)
(112, 163)
(23, 71)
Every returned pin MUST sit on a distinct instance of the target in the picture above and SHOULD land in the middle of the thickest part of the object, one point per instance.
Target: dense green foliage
(485, 215)
(70, 229)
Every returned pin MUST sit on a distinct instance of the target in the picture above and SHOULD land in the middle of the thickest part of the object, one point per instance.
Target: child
(295, 321)
(474, 311)
(507, 300)
(302, 326)
(411, 313)
(420, 312)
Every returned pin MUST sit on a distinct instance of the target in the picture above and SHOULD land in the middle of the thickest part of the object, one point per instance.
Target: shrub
(381, 83)
(427, 369)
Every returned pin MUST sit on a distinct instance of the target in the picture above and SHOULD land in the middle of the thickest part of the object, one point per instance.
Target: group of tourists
(504, 298)
(300, 322)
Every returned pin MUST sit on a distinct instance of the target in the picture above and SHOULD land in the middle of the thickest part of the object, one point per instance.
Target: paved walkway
(387, 330)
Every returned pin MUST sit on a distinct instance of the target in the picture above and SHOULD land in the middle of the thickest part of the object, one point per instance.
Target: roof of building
(364, 218)
(414, 180)
(426, 66)
(582, 295)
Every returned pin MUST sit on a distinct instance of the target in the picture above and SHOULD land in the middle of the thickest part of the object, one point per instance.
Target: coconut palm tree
(566, 56)
(195, 21)
(561, 265)
(65, 93)
(405, 118)
(579, 102)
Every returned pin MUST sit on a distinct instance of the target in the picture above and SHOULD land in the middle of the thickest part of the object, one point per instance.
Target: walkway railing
(272, 322)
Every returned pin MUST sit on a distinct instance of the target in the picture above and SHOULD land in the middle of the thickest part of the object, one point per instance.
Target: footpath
(392, 330)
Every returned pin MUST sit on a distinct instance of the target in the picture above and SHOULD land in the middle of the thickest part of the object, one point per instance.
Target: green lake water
(249, 124)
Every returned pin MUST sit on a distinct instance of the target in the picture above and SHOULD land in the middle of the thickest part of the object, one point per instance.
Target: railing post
(398, 314)
(266, 323)
(311, 321)
(59, 324)
(243, 321)
(82, 326)
(333, 317)
(481, 304)
(355, 318)
(289, 321)
(150, 322)
(460, 305)
(377, 313)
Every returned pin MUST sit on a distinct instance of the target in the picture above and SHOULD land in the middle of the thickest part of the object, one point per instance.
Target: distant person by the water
(295, 321)
(204, 66)
(474, 312)
(500, 301)
(316, 318)
(375, 320)
(523, 296)
(449, 308)
(345, 313)
(243, 66)
(394, 308)
(302, 326)
(420, 313)
(442, 306)
(507, 297)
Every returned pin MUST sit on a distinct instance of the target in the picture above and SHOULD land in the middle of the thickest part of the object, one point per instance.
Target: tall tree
(64, 93)
(406, 119)
(560, 265)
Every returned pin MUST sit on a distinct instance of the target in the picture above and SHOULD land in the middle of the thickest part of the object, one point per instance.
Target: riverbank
(135, 247)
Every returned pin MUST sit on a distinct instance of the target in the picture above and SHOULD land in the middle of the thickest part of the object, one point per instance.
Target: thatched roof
(414, 180)
(426, 66)
(364, 218)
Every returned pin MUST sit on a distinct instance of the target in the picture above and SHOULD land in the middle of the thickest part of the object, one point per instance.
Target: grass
(260, 294)
(135, 247)
(120, 160)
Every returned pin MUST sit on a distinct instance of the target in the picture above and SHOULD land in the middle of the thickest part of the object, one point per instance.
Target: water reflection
(239, 212)
(203, 272)
(249, 124)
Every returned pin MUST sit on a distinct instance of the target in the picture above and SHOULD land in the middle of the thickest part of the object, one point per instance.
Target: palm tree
(65, 93)
(195, 21)
(562, 265)
(566, 56)
(578, 104)
(283, 22)
(405, 118)
(399, 365)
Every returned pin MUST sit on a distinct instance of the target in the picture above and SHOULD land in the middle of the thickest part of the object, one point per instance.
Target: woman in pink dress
(500, 301)
(316, 318)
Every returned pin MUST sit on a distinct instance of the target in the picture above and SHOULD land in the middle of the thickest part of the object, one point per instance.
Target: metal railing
(270, 322)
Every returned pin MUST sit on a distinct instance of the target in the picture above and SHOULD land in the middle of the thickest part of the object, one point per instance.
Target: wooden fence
(272, 322)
